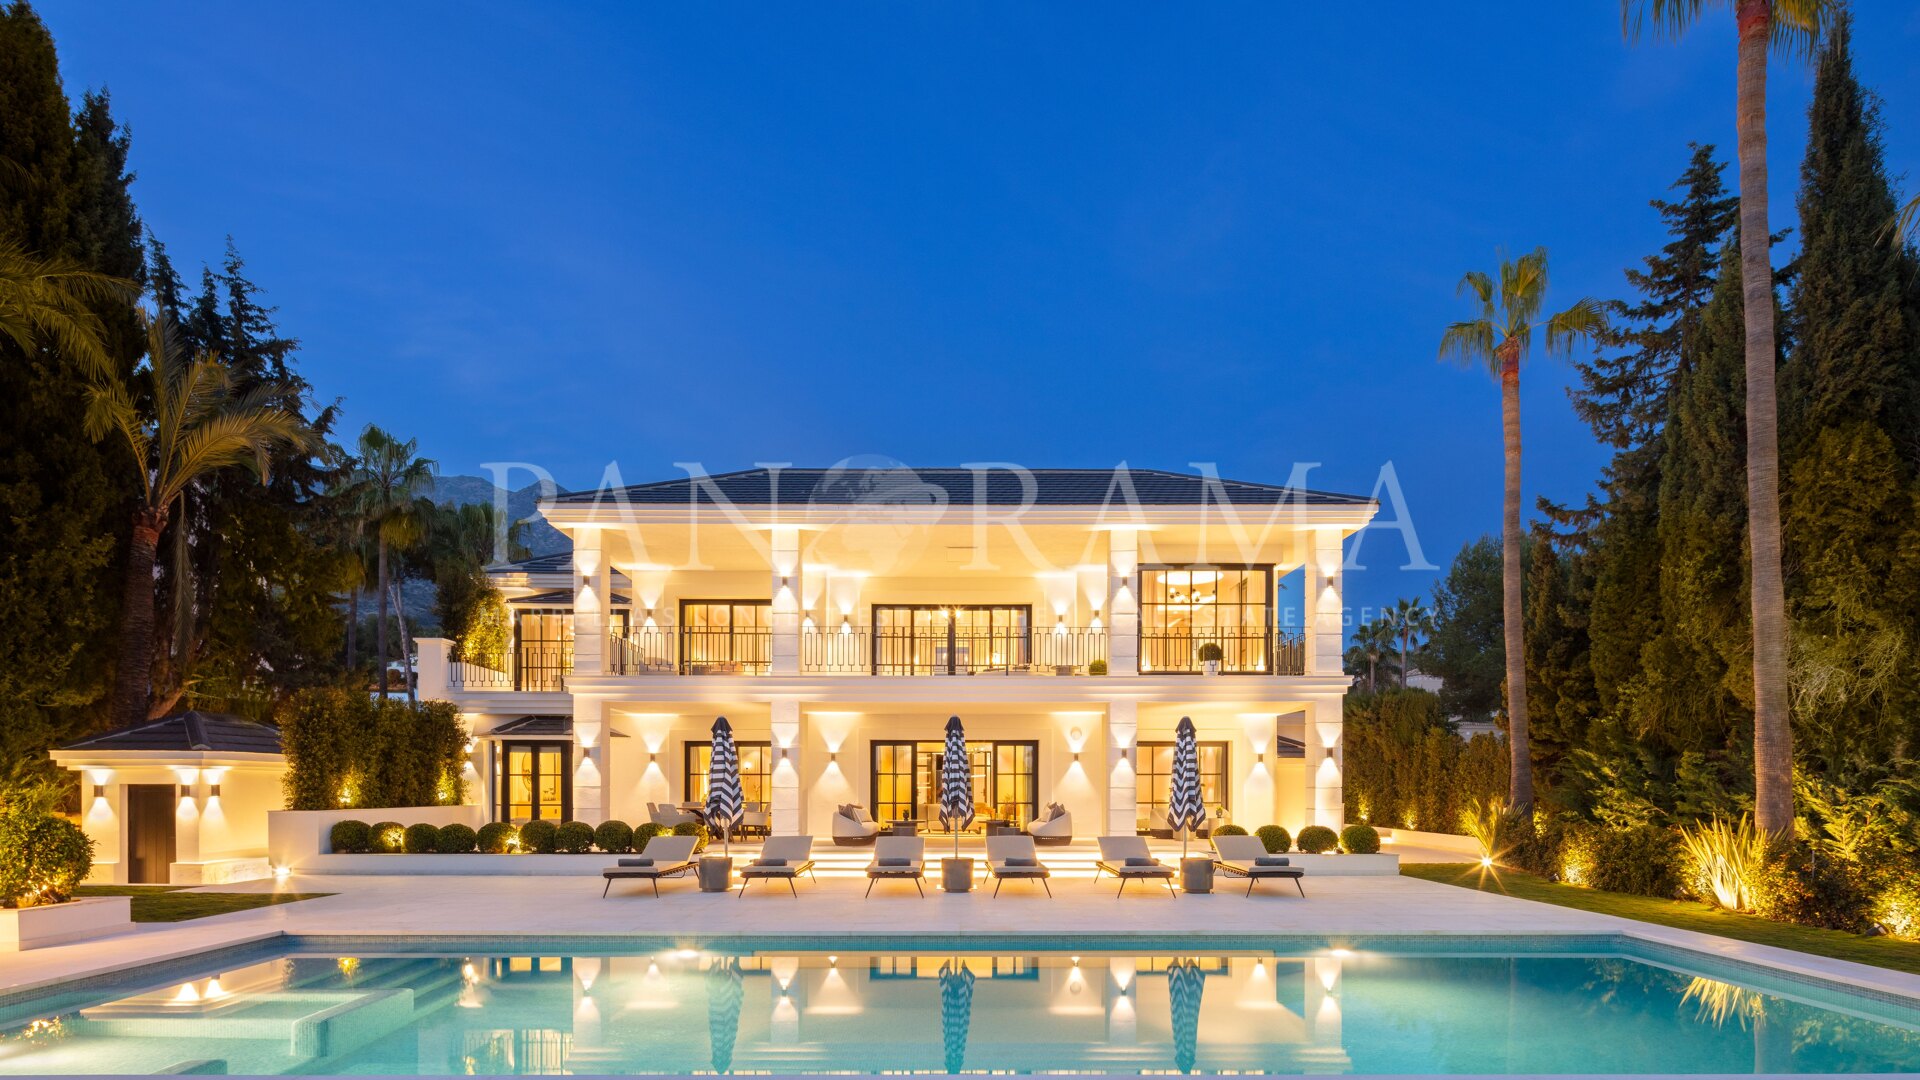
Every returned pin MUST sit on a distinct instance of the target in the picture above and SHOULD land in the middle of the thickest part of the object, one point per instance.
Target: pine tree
(1850, 422)
(1466, 650)
(63, 193)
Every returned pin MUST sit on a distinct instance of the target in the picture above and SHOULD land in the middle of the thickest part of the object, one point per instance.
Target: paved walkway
(568, 906)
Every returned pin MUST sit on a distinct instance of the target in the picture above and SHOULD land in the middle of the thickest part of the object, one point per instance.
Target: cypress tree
(1850, 422)
(63, 193)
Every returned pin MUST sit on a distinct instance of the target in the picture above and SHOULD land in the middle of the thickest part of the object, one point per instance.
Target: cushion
(770, 862)
(896, 862)
(1272, 860)
(860, 813)
(635, 862)
(1021, 860)
(1141, 860)
(845, 810)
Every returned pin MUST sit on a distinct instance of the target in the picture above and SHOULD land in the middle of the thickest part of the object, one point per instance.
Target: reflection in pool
(1305, 1010)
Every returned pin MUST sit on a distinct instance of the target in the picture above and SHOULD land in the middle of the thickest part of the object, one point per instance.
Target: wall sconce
(213, 791)
(186, 791)
(97, 792)
(1076, 757)
(833, 755)
(1329, 753)
(1260, 757)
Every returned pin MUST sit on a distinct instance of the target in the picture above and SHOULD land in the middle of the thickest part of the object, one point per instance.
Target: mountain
(522, 505)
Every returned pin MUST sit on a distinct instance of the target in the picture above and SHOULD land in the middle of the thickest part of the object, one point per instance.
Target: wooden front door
(149, 833)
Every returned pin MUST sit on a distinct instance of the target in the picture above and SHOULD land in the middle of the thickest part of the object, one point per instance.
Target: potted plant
(1210, 657)
(1097, 667)
(43, 859)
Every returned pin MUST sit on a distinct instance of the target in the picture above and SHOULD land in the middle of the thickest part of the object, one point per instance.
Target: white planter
(1212, 667)
(472, 863)
(59, 924)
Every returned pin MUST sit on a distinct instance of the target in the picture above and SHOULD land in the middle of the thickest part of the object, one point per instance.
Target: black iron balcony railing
(1251, 651)
(542, 665)
(690, 651)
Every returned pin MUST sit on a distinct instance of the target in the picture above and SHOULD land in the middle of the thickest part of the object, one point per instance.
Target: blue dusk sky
(1052, 234)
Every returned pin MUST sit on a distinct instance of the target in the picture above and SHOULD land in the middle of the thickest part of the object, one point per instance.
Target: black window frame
(1143, 754)
(503, 748)
(759, 664)
(992, 748)
(884, 644)
(1156, 649)
(688, 748)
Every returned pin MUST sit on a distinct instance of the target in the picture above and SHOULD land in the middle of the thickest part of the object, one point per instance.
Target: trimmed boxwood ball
(1230, 830)
(422, 839)
(496, 837)
(646, 831)
(539, 836)
(457, 839)
(1360, 840)
(389, 838)
(574, 837)
(1276, 838)
(613, 836)
(349, 836)
(1318, 839)
(43, 857)
(693, 829)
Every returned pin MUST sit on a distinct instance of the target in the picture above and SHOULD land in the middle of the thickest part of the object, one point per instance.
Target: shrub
(696, 830)
(1230, 830)
(1211, 652)
(43, 857)
(1276, 838)
(1360, 840)
(1720, 860)
(1644, 860)
(539, 836)
(497, 837)
(613, 836)
(1317, 839)
(1487, 821)
(1096, 667)
(1896, 908)
(389, 838)
(349, 836)
(343, 749)
(457, 839)
(1538, 846)
(574, 837)
(1790, 884)
(646, 831)
(421, 839)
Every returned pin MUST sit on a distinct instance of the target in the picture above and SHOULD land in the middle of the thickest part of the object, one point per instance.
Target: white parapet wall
(296, 837)
(60, 924)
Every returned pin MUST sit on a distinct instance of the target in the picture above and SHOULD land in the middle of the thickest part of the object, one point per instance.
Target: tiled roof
(951, 486)
(528, 726)
(558, 562)
(561, 598)
(189, 732)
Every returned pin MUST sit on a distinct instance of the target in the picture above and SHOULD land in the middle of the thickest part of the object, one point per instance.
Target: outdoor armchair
(1053, 827)
(1014, 857)
(853, 826)
(665, 856)
(1128, 858)
(898, 858)
(1246, 856)
(781, 858)
(669, 816)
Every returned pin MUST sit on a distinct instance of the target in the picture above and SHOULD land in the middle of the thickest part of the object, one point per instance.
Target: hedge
(1406, 768)
(345, 750)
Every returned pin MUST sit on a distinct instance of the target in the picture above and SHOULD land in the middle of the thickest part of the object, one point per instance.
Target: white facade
(861, 610)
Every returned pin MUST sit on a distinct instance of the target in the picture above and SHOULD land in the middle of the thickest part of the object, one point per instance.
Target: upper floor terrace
(942, 572)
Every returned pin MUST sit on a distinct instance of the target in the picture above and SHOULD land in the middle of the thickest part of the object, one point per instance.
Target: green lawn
(167, 903)
(1681, 914)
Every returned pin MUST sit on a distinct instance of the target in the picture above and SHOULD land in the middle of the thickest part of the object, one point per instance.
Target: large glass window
(1185, 609)
(906, 781)
(756, 771)
(726, 636)
(532, 781)
(543, 646)
(1154, 778)
(950, 639)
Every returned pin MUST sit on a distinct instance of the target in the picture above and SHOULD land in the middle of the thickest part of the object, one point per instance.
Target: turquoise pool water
(1268, 1005)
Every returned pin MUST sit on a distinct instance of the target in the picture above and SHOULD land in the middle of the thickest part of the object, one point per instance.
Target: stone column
(431, 669)
(592, 599)
(1123, 603)
(785, 591)
(1326, 612)
(789, 811)
(591, 760)
(1325, 761)
(1123, 792)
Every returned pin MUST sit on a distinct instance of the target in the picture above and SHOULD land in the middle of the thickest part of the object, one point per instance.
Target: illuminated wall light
(213, 791)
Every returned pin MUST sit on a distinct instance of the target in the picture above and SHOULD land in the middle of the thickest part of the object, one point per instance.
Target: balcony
(1241, 652)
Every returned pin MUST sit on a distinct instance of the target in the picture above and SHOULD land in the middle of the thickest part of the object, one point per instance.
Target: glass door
(957, 639)
(534, 782)
(906, 781)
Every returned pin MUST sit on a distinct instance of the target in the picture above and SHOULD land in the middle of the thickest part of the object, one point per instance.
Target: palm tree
(1408, 620)
(382, 488)
(1794, 27)
(1371, 642)
(49, 303)
(1499, 338)
(1909, 216)
(181, 424)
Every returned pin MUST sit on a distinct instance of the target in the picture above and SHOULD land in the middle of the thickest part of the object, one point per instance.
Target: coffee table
(903, 828)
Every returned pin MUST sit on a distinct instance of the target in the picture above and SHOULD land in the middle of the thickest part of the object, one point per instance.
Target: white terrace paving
(552, 907)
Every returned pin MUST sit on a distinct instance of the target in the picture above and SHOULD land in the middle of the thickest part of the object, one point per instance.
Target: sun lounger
(665, 856)
(898, 858)
(1013, 856)
(1127, 858)
(781, 858)
(1246, 856)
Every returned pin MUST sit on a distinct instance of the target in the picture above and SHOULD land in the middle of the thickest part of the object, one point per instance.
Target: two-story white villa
(838, 617)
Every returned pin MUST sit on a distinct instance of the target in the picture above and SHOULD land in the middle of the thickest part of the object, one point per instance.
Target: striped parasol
(956, 1012)
(956, 783)
(1185, 985)
(724, 993)
(723, 783)
(1185, 811)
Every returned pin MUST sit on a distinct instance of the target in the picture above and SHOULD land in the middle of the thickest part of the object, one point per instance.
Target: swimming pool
(650, 1005)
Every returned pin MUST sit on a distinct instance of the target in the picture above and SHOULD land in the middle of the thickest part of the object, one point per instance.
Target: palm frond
(1662, 18)
(52, 302)
(1467, 343)
(1903, 222)
(1798, 27)
(1585, 318)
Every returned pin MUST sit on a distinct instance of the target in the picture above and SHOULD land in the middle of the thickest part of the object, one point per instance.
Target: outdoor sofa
(1053, 827)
